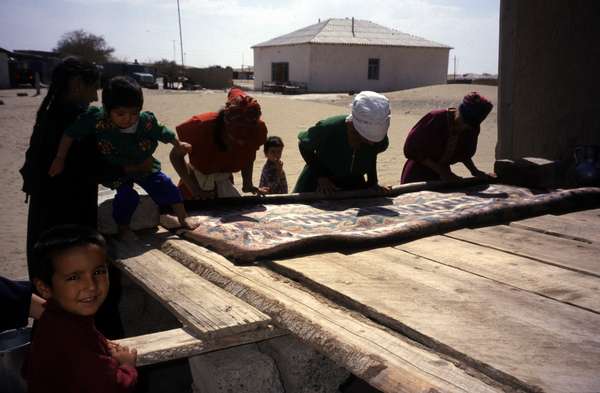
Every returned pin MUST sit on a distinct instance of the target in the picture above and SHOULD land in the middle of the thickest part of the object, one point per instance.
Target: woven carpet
(247, 233)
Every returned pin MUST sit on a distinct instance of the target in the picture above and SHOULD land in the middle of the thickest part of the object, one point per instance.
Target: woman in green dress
(341, 150)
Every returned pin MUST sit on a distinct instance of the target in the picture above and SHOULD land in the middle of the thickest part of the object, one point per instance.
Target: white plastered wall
(298, 57)
(341, 68)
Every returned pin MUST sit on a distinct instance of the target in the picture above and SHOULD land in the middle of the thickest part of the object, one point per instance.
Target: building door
(280, 72)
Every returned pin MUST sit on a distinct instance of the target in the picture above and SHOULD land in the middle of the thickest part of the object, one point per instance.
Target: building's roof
(40, 53)
(339, 31)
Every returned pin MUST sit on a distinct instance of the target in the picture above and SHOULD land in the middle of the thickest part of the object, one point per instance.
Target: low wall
(212, 77)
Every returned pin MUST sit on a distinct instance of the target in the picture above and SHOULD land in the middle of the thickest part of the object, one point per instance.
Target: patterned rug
(261, 231)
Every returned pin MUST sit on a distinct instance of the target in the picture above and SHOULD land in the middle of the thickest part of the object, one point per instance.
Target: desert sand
(285, 116)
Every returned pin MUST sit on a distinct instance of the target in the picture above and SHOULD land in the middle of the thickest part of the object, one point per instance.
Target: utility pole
(454, 67)
(180, 35)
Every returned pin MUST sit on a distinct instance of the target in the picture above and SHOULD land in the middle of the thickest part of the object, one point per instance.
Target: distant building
(341, 55)
(243, 73)
(23, 64)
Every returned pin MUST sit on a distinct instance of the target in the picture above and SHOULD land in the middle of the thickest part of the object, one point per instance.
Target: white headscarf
(371, 115)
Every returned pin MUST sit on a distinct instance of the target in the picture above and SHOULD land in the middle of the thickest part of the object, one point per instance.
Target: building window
(373, 69)
(280, 72)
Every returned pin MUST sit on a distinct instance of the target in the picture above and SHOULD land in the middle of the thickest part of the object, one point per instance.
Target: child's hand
(182, 148)
(186, 147)
(123, 355)
(58, 165)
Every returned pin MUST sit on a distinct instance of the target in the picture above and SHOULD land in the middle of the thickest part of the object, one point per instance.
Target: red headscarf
(240, 106)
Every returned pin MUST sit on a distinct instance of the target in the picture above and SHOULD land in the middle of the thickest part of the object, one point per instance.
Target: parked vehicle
(145, 80)
(144, 75)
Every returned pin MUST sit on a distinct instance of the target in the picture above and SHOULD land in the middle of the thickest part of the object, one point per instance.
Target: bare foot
(188, 223)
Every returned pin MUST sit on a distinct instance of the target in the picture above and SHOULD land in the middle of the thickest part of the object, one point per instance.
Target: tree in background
(168, 68)
(170, 72)
(86, 45)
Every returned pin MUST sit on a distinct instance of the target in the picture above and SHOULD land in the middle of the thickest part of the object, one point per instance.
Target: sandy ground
(285, 116)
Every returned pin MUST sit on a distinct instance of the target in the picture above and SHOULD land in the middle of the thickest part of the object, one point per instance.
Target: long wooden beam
(317, 196)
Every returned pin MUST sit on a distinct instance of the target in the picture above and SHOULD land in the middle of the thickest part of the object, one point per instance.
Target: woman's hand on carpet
(258, 191)
(383, 189)
(326, 186)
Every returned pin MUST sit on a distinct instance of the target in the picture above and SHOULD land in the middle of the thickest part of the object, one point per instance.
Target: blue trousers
(158, 185)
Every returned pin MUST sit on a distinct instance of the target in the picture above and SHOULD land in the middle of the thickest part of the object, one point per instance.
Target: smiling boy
(67, 353)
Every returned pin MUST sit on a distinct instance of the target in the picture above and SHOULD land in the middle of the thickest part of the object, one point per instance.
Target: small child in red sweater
(67, 353)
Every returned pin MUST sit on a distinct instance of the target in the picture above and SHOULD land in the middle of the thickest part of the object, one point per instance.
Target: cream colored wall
(341, 68)
(298, 57)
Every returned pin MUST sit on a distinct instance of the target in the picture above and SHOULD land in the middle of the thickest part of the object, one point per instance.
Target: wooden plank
(386, 360)
(565, 253)
(177, 343)
(553, 282)
(565, 226)
(588, 216)
(206, 309)
(516, 337)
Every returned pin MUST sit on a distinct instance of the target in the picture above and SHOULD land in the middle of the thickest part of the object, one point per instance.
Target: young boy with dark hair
(67, 353)
(272, 178)
(127, 137)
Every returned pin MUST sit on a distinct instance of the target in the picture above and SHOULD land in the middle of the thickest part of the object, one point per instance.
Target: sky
(222, 32)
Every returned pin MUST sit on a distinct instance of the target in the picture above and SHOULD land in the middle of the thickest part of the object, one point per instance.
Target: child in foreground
(67, 353)
(127, 138)
(272, 178)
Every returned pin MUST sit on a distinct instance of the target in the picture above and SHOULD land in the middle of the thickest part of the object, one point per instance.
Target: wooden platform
(504, 308)
(508, 307)
(386, 359)
(518, 302)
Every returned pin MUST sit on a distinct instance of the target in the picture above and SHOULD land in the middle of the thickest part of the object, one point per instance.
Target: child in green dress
(127, 137)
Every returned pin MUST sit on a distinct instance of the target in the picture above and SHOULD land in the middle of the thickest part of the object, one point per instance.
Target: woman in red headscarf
(445, 137)
(222, 142)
